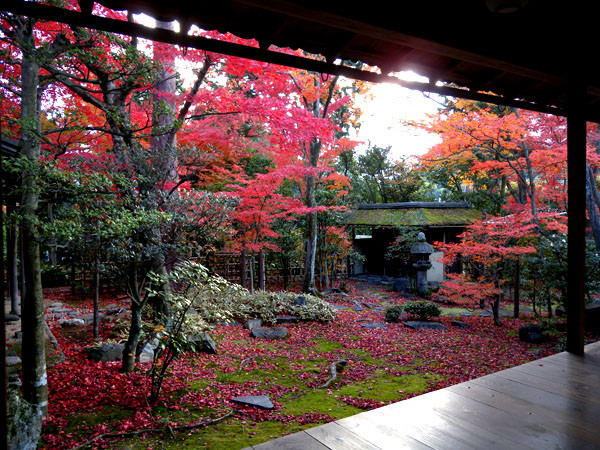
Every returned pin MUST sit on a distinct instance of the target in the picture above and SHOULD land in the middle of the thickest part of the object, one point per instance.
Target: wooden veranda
(551, 403)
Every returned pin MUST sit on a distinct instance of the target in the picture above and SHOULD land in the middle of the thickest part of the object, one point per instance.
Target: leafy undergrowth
(384, 366)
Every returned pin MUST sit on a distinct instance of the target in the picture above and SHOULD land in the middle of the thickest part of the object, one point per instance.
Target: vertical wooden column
(576, 201)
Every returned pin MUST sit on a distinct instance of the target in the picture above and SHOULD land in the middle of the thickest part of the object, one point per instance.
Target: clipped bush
(422, 310)
(393, 313)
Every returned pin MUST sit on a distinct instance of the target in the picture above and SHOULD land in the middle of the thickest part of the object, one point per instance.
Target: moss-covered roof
(417, 216)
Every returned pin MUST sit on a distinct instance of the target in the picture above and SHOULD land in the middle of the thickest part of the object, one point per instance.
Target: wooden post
(576, 209)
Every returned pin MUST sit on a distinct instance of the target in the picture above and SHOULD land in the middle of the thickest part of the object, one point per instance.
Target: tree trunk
(244, 268)
(496, 303)
(35, 388)
(52, 245)
(517, 293)
(135, 327)
(164, 153)
(312, 231)
(262, 278)
(96, 325)
(252, 273)
(12, 269)
(591, 194)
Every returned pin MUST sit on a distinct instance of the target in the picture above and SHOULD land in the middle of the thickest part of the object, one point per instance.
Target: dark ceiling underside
(529, 59)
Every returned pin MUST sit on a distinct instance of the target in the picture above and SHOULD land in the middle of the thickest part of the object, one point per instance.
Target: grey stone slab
(260, 401)
(269, 333)
(420, 325)
(374, 325)
(459, 324)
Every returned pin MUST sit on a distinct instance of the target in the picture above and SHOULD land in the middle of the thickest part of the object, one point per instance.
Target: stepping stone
(367, 319)
(339, 307)
(61, 310)
(269, 333)
(11, 318)
(358, 307)
(459, 324)
(56, 305)
(260, 401)
(284, 318)
(253, 323)
(466, 314)
(373, 326)
(486, 313)
(505, 313)
(419, 325)
(71, 323)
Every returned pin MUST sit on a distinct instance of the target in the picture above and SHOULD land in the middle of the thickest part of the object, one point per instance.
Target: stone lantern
(421, 252)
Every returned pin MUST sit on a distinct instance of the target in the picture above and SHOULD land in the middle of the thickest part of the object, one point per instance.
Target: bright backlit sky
(384, 116)
(386, 109)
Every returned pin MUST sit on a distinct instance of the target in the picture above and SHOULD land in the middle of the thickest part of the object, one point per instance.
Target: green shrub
(422, 310)
(393, 313)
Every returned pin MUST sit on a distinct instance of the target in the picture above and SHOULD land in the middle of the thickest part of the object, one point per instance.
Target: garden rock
(531, 333)
(260, 401)
(253, 323)
(146, 353)
(24, 422)
(72, 323)
(106, 352)
(466, 314)
(56, 305)
(486, 313)
(300, 301)
(205, 344)
(373, 326)
(269, 333)
(420, 325)
(12, 360)
(459, 324)
(11, 318)
(287, 319)
(401, 285)
(561, 311)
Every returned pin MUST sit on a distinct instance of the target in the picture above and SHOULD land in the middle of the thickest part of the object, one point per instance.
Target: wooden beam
(576, 153)
(61, 15)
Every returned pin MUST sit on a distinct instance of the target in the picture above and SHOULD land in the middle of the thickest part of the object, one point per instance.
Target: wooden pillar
(576, 204)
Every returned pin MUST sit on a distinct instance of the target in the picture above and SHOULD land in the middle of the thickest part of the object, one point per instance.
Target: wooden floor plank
(566, 389)
(335, 437)
(528, 411)
(553, 402)
(297, 441)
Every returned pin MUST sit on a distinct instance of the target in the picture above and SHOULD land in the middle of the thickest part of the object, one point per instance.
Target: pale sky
(385, 113)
